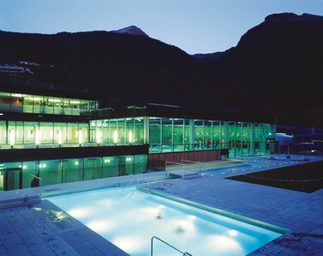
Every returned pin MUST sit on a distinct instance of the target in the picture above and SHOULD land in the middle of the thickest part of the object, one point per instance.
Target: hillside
(276, 68)
(119, 68)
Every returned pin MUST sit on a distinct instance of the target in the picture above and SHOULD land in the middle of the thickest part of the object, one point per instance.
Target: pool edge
(235, 216)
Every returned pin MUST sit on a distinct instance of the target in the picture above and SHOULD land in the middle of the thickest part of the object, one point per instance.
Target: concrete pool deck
(41, 228)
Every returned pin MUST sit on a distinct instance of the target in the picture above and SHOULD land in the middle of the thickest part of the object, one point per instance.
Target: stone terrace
(41, 228)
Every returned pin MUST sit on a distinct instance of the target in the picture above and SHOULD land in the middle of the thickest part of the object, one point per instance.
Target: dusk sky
(195, 26)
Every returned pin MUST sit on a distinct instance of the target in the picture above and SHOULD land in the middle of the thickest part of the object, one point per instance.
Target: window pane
(59, 133)
(92, 168)
(46, 133)
(129, 130)
(3, 134)
(72, 170)
(207, 134)
(113, 131)
(198, 138)
(48, 105)
(216, 135)
(154, 134)
(38, 104)
(140, 164)
(178, 135)
(5, 101)
(110, 166)
(50, 172)
(167, 142)
(16, 102)
(139, 130)
(121, 131)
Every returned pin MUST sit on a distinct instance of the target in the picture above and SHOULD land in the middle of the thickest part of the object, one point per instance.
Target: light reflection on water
(130, 223)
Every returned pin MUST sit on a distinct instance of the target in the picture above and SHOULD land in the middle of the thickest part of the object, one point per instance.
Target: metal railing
(129, 184)
(40, 187)
(138, 186)
(152, 247)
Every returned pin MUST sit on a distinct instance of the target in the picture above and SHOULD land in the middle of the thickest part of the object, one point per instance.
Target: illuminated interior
(71, 170)
(28, 103)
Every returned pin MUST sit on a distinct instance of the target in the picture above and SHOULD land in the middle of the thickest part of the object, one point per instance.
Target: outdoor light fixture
(98, 135)
(12, 137)
(37, 137)
(59, 137)
(130, 136)
(80, 137)
(115, 137)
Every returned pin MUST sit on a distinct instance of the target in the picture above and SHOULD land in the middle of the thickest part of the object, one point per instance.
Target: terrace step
(10, 199)
(191, 176)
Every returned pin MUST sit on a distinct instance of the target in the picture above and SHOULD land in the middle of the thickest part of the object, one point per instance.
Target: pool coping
(231, 215)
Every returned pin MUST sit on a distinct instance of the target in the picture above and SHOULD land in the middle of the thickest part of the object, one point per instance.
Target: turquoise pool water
(131, 222)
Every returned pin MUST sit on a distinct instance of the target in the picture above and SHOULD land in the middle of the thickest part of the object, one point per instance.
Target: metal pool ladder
(152, 247)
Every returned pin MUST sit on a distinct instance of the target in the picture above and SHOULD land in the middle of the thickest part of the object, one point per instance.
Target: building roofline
(46, 92)
(159, 110)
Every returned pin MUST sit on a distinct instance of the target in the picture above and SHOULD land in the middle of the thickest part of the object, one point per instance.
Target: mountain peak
(131, 30)
(280, 17)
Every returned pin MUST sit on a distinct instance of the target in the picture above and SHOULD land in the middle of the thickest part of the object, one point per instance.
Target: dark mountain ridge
(276, 68)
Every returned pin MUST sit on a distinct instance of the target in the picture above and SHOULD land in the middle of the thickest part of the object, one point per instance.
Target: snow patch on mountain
(132, 30)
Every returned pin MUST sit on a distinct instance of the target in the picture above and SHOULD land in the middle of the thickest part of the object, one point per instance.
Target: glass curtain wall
(69, 170)
(29, 103)
(121, 131)
(241, 138)
(19, 134)
(72, 170)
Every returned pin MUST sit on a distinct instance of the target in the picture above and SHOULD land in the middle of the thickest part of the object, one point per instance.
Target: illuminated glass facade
(30, 103)
(177, 135)
(28, 134)
(15, 175)
(131, 134)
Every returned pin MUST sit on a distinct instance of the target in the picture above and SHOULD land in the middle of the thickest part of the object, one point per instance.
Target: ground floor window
(18, 175)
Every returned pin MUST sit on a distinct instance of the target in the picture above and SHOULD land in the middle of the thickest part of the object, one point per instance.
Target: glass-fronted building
(173, 129)
(63, 137)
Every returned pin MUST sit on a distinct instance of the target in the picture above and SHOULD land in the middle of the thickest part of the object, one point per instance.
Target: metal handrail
(40, 192)
(152, 247)
(138, 186)
(129, 184)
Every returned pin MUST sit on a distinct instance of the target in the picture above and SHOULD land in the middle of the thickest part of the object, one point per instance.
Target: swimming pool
(131, 222)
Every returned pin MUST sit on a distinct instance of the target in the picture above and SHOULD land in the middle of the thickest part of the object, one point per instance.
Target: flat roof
(46, 92)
